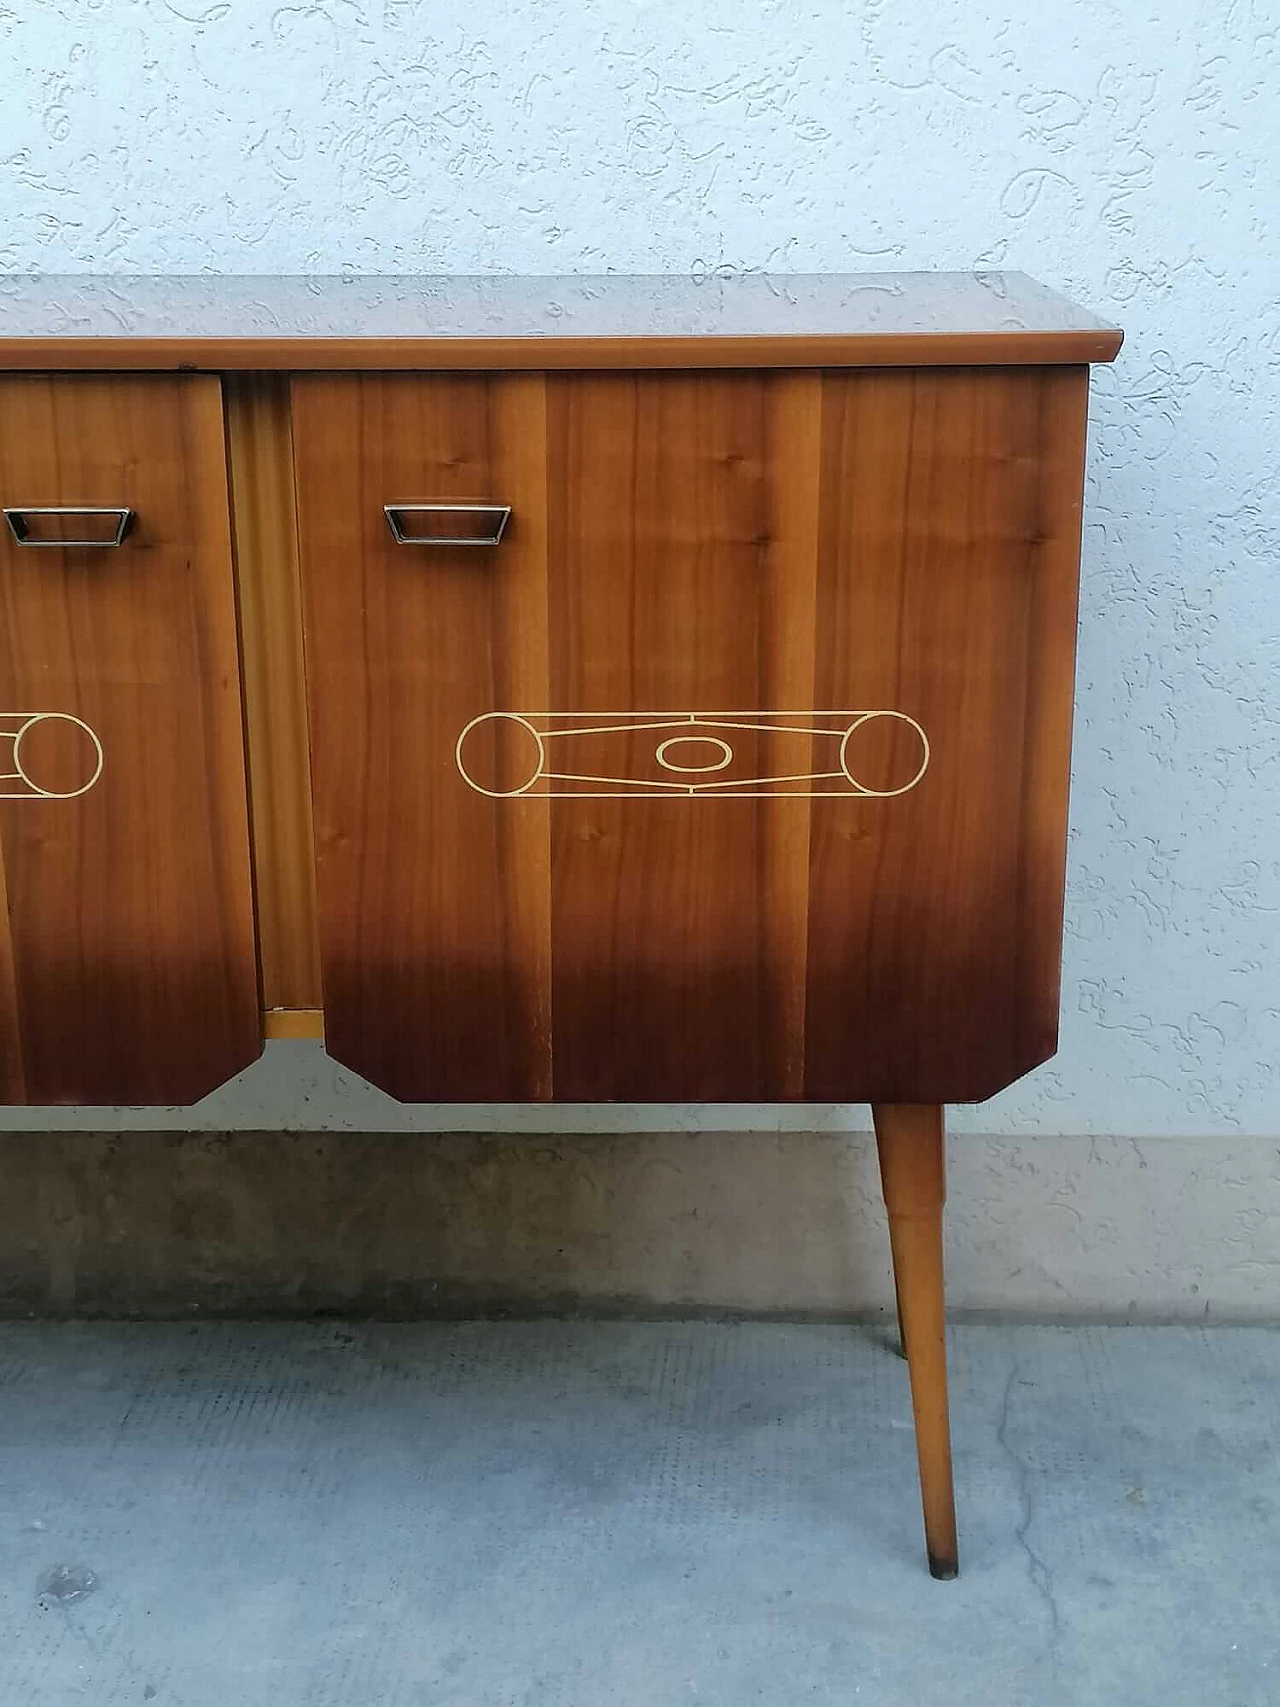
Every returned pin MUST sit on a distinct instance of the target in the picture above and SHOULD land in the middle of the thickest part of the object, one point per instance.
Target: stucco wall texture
(1126, 153)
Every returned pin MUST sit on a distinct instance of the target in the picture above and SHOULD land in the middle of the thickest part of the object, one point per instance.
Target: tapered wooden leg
(902, 1338)
(909, 1137)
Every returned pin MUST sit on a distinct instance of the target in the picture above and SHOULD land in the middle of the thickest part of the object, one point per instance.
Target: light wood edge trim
(289, 1024)
(298, 354)
(260, 454)
(1051, 689)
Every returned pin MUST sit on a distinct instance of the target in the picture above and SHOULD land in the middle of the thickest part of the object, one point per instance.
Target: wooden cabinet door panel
(736, 771)
(127, 966)
(433, 899)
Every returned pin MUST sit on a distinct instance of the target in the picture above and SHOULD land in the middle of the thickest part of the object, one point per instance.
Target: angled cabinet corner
(127, 961)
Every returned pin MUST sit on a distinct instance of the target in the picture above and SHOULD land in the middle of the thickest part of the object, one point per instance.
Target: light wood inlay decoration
(695, 754)
(130, 920)
(260, 447)
(68, 746)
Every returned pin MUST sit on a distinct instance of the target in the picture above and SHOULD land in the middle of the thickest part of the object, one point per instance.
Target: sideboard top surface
(492, 321)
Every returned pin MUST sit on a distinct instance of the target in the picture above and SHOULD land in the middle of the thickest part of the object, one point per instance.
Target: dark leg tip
(944, 1569)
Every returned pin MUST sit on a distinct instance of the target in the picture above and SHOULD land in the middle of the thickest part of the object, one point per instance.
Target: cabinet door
(736, 769)
(127, 970)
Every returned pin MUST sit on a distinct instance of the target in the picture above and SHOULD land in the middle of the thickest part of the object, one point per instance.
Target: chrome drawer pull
(19, 518)
(486, 522)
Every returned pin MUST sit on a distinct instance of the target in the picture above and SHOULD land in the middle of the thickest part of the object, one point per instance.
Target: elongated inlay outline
(689, 727)
(30, 789)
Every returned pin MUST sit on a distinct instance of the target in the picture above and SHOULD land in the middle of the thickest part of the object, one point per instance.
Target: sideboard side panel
(1050, 710)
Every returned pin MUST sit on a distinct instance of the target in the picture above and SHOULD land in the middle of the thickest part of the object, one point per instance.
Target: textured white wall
(1125, 151)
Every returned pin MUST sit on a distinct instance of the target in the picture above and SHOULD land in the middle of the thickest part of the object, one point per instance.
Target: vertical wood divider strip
(260, 452)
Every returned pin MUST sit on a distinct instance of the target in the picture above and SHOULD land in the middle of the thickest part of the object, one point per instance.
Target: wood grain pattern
(947, 589)
(434, 900)
(694, 543)
(260, 453)
(677, 533)
(129, 915)
(523, 355)
(504, 322)
(13, 1077)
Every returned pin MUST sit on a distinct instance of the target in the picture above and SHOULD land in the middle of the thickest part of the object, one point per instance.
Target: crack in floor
(1038, 1571)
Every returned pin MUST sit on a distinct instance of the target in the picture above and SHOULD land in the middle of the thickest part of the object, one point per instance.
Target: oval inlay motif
(725, 758)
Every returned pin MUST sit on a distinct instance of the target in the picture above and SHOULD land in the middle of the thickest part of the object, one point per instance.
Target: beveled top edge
(874, 317)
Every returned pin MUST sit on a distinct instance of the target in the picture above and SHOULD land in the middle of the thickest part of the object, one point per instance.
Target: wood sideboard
(577, 689)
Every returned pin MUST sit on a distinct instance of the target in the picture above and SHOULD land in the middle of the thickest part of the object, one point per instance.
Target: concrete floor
(638, 1514)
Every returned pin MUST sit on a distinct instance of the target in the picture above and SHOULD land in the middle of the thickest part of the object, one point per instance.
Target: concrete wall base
(646, 1224)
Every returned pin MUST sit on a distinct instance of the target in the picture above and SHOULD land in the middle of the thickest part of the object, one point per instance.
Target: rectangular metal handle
(20, 518)
(472, 524)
